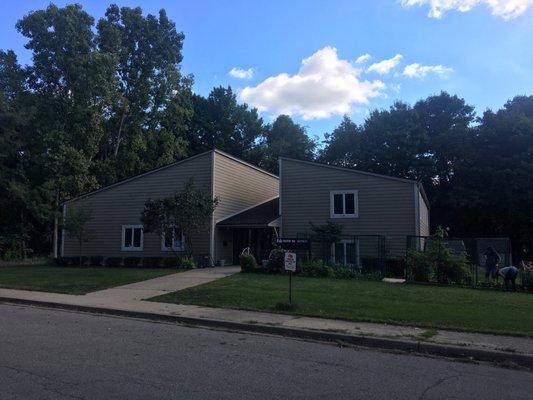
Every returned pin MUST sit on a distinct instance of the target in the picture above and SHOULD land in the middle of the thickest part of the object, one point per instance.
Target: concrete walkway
(128, 299)
(135, 292)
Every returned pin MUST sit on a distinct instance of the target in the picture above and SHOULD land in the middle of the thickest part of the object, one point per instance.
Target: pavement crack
(436, 384)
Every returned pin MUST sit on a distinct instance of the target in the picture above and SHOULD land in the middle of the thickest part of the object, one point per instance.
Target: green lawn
(73, 280)
(405, 304)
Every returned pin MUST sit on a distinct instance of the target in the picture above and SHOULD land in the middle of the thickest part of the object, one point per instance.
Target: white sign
(290, 262)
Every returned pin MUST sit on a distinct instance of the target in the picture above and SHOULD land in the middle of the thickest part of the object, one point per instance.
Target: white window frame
(344, 242)
(122, 244)
(173, 248)
(332, 194)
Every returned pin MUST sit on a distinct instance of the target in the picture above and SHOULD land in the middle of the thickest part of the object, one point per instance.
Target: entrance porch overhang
(264, 215)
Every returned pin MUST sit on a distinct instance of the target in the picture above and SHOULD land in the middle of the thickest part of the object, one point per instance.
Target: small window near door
(344, 204)
(172, 240)
(132, 237)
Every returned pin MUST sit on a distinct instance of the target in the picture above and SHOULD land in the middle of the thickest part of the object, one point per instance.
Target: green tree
(219, 121)
(77, 227)
(492, 186)
(343, 144)
(190, 211)
(151, 106)
(285, 138)
(97, 104)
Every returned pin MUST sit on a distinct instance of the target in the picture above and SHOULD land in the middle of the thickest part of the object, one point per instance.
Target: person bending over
(509, 275)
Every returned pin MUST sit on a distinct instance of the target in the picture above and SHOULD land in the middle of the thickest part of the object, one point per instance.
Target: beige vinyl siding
(122, 204)
(423, 216)
(239, 186)
(386, 206)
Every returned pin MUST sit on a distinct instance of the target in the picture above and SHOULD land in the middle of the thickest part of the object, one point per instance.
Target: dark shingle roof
(260, 215)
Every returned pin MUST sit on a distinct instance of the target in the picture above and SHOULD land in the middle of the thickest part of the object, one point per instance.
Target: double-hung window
(173, 240)
(346, 253)
(344, 204)
(132, 237)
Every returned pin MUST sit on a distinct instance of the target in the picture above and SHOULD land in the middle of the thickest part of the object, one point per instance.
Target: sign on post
(290, 265)
(290, 262)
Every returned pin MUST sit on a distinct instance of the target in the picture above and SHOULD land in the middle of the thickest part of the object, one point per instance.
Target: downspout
(212, 231)
(280, 190)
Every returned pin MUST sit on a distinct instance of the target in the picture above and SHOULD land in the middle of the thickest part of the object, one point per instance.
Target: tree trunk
(119, 136)
(56, 227)
(81, 244)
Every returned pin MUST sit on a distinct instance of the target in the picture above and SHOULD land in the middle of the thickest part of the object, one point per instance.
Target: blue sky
(481, 52)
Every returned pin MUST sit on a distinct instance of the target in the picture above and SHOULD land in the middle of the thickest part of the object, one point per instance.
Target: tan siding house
(120, 205)
(116, 209)
(254, 207)
(363, 203)
(240, 186)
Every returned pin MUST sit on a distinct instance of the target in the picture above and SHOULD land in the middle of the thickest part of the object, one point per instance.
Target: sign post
(290, 265)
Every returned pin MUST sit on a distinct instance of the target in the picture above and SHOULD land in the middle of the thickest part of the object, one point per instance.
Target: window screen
(337, 204)
(349, 201)
(128, 237)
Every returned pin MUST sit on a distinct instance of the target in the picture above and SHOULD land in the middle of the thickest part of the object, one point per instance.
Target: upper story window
(344, 204)
(173, 240)
(132, 237)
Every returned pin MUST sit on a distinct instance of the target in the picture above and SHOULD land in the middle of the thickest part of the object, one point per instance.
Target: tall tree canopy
(285, 138)
(475, 171)
(104, 100)
(97, 104)
(220, 121)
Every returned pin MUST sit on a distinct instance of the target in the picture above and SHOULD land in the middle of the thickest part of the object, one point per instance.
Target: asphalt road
(54, 354)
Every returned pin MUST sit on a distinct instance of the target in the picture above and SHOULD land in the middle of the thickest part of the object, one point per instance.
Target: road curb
(328, 336)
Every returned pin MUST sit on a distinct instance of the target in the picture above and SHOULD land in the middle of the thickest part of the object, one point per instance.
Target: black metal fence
(369, 254)
(460, 261)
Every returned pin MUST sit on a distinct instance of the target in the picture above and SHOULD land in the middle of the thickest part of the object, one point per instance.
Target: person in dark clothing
(491, 262)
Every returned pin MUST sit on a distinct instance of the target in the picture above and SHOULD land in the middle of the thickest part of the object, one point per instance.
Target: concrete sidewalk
(127, 300)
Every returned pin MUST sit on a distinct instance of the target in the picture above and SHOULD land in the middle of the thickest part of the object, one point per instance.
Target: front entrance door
(259, 240)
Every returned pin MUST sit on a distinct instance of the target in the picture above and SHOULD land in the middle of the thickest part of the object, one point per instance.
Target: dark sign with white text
(293, 243)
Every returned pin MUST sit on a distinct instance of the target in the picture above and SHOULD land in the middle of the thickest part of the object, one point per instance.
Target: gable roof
(112, 185)
(223, 153)
(346, 169)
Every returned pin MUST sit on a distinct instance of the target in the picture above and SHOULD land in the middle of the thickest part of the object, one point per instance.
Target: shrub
(437, 264)
(71, 261)
(395, 267)
(346, 273)
(96, 261)
(248, 263)
(113, 262)
(171, 262)
(60, 261)
(85, 261)
(132, 261)
(370, 264)
(454, 271)
(276, 261)
(11, 247)
(420, 270)
(152, 262)
(188, 262)
(315, 269)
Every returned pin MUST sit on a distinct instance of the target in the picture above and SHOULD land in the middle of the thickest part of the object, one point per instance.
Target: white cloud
(507, 9)
(385, 66)
(363, 58)
(240, 73)
(323, 86)
(421, 71)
